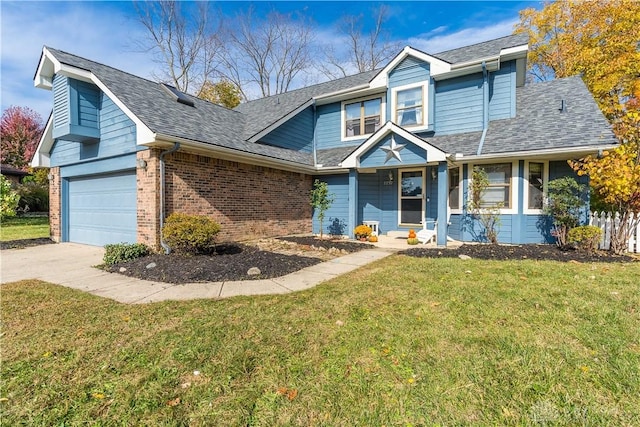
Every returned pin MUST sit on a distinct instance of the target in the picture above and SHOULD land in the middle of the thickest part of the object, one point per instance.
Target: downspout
(176, 146)
(313, 138)
(485, 106)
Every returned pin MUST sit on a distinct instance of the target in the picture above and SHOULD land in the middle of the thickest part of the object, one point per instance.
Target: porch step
(399, 233)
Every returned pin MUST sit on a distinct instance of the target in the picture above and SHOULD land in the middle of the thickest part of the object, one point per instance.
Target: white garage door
(102, 209)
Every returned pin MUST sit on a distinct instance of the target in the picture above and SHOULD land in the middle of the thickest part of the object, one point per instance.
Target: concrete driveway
(71, 265)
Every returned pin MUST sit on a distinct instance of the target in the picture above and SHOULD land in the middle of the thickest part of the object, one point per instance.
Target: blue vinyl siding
(459, 105)
(337, 215)
(117, 137)
(502, 92)
(88, 99)
(369, 203)
(328, 128)
(60, 101)
(295, 134)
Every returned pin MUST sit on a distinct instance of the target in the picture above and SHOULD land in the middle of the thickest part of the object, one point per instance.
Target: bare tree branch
(365, 51)
(184, 40)
(266, 55)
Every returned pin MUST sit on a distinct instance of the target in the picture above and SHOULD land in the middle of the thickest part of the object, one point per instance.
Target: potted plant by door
(362, 232)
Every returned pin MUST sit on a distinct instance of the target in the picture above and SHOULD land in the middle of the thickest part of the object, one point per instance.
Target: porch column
(353, 201)
(443, 203)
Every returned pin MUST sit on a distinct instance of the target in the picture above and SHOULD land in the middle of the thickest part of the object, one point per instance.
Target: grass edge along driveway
(403, 341)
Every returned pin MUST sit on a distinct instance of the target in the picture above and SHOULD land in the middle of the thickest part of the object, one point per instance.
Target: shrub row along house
(396, 145)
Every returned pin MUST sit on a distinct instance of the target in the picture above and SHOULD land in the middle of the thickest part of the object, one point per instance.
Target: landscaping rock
(151, 265)
(463, 256)
(122, 269)
(254, 271)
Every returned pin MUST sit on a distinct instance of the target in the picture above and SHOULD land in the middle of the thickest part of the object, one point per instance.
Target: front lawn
(405, 341)
(18, 228)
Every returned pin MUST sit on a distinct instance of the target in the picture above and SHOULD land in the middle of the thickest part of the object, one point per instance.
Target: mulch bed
(24, 243)
(230, 262)
(518, 252)
(340, 244)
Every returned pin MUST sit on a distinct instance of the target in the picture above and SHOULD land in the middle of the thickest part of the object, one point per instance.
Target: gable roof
(205, 123)
(264, 112)
(581, 128)
(483, 49)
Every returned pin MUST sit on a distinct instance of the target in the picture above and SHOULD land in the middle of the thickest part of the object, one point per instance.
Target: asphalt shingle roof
(539, 125)
(205, 122)
(484, 49)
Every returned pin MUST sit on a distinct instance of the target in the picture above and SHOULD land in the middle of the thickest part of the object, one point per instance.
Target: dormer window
(362, 117)
(409, 106)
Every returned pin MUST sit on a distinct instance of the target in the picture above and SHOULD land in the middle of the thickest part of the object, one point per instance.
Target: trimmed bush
(8, 199)
(121, 252)
(585, 238)
(190, 234)
(34, 197)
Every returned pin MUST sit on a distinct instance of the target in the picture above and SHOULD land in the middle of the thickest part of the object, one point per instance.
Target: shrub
(585, 238)
(190, 234)
(564, 204)
(8, 199)
(34, 197)
(362, 231)
(121, 252)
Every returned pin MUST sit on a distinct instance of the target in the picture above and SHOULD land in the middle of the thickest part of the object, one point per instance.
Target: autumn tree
(597, 40)
(365, 51)
(264, 55)
(222, 93)
(184, 38)
(20, 132)
(615, 177)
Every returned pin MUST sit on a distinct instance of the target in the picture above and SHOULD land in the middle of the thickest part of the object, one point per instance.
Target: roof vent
(181, 97)
(563, 106)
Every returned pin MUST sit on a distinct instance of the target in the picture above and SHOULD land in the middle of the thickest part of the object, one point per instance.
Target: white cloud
(431, 42)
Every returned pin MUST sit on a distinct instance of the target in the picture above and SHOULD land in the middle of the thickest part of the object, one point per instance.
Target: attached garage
(102, 209)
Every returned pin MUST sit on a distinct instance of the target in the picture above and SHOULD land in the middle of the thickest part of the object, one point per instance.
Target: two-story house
(395, 145)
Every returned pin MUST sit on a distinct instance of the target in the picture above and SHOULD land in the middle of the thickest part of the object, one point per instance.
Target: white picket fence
(604, 220)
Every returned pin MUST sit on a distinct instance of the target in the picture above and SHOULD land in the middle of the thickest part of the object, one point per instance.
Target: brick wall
(148, 198)
(55, 200)
(248, 201)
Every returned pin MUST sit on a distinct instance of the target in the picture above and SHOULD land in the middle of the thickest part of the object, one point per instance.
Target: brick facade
(55, 208)
(248, 201)
(148, 198)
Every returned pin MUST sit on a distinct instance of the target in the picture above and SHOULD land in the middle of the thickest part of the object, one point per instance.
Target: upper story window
(409, 105)
(362, 117)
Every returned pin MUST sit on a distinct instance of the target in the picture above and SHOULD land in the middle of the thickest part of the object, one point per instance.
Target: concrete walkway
(71, 265)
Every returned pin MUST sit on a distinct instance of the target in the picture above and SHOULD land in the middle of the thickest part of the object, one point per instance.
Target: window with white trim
(409, 105)
(362, 117)
(455, 193)
(498, 192)
(535, 188)
(409, 109)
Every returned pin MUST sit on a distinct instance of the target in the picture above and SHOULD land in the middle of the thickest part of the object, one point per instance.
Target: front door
(411, 205)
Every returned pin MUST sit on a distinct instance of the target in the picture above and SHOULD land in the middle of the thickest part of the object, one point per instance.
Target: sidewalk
(70, 265)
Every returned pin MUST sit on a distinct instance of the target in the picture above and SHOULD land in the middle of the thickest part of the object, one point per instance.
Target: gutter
(176, 146)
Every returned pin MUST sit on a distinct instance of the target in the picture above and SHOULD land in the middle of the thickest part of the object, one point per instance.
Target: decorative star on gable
(393, 150)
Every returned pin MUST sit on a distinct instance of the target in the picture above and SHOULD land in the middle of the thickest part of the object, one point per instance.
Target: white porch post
(353, 201)
(443, 202)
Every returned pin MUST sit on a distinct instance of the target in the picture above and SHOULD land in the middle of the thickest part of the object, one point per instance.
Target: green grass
(403, 342)
(24, 228)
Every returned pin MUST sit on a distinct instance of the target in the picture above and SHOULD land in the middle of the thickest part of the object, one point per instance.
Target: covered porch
(397, 181)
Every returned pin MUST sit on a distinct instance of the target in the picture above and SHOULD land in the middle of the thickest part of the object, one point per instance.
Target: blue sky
(107, 31)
